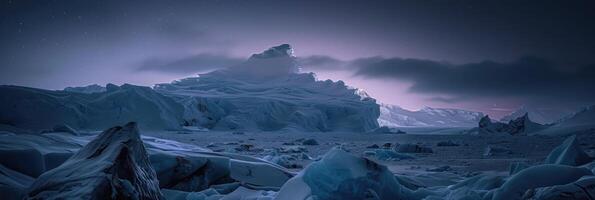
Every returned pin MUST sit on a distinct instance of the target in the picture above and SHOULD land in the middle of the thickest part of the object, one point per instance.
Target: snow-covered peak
(395, 116)
(284, 50)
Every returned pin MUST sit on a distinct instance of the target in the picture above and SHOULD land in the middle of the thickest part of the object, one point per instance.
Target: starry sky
(489, 56)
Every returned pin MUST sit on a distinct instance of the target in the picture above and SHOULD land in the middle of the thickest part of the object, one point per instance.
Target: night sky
(489, 56)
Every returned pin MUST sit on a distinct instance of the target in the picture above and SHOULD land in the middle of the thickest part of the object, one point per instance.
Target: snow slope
(267, 93)
(395, 116)
(582, 121)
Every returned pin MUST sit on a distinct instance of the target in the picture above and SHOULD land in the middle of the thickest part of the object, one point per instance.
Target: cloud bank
(528, 78)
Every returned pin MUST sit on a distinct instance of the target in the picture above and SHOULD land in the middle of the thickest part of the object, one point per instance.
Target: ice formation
(538, 176)
(568, 153)
(584, 188)
(340, 175)
(115, 165)
(34, 154)
(13, 184)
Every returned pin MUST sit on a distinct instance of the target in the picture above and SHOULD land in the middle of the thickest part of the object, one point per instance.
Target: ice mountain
(395, 116)
(267, 92)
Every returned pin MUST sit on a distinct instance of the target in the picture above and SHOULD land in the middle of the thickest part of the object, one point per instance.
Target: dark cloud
(526, 78)
(196, 63)
(320, 62)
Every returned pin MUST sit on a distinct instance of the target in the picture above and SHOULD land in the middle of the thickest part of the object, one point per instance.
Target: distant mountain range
(395, 116)
(519, 126)
(581, 122)
(539, 115)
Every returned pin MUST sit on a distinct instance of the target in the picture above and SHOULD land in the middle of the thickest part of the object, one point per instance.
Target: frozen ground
(466, 158)
(295, 165)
